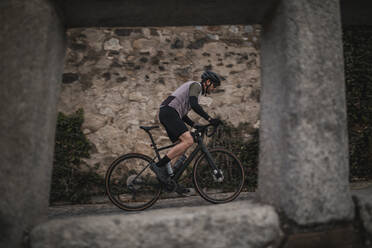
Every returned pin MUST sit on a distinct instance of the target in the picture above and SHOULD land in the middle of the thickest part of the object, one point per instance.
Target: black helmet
(215, 79)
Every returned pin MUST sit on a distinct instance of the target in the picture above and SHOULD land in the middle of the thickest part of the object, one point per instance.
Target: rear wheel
(226, 185)
(130, 183)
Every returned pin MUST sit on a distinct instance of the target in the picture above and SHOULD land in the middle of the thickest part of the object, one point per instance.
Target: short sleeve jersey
(179, 100)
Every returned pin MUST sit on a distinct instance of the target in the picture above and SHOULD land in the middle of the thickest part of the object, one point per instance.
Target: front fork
(217, 173)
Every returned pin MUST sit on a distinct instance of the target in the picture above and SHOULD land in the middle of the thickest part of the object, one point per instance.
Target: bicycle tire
(120, 187)
(208, 187)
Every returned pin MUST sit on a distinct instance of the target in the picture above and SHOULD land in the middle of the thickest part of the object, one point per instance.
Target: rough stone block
(238, 224)
(303, 135)
(363, 199)
(183, 12)
(32, 52)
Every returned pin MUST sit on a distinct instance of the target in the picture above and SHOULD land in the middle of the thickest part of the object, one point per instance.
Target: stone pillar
(303, 167)
(32, 47)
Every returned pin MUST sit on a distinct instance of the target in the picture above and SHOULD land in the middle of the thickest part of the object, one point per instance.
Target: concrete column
(32, 52)
(303, 167)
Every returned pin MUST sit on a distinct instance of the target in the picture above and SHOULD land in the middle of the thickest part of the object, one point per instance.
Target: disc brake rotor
(218, 179)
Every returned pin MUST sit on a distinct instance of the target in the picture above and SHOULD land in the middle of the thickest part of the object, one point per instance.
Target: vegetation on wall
(236, 140)
(70, 182)
(243, 142)
(358, 76)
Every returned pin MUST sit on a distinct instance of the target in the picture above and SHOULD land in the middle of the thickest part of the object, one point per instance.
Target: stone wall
(119, 76)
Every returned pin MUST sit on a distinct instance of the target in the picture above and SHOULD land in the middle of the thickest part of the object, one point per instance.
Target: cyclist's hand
(215, 122)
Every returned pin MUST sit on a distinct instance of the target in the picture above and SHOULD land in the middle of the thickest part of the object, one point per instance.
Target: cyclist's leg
(175, 127)
(186, 141)
(176, 130)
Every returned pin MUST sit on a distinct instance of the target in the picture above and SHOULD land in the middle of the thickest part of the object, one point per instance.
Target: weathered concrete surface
(238, 224)
(363, 199)
(32, 52)
(344, 236)
(88, 13)
(303, 134)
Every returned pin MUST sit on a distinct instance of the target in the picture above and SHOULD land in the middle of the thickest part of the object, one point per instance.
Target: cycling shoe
(160, 172)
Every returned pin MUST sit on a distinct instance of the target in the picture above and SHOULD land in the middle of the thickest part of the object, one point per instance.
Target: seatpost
(154, 145)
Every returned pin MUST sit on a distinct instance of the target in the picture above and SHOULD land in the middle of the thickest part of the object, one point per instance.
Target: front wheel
(223, 186)
(130, 183)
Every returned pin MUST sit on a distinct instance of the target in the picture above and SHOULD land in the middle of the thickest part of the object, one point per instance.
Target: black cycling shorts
(172, 122)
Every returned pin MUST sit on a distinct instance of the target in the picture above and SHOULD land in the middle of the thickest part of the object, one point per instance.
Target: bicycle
(218, 175)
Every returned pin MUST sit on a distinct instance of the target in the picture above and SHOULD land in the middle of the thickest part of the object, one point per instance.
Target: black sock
(163, 161)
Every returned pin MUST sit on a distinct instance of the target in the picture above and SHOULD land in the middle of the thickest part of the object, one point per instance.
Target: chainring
(171, 186)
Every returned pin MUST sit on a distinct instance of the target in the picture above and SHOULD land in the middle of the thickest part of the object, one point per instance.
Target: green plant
(69, 182)
(232, 138)
(358, 77)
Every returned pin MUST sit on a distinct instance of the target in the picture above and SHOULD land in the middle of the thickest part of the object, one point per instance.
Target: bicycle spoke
(219, 188)
(130, 184)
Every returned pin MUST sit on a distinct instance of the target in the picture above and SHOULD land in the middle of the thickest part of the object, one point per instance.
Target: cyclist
(173, 116)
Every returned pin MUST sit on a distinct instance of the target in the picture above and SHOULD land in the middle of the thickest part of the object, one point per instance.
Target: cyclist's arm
(188, 121)
(195, 90)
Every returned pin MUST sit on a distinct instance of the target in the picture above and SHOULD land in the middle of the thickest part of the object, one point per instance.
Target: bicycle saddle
(148, 128)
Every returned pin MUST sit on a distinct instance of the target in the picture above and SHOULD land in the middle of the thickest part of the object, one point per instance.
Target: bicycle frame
(200, 147)
(129, 194)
